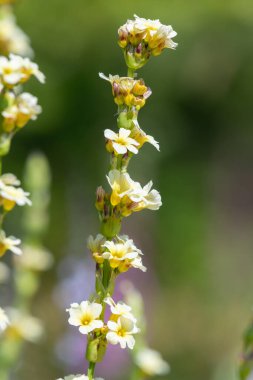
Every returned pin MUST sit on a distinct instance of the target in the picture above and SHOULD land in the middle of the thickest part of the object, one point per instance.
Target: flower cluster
(128, 92)
(17, 109)
(115, 253)
(119, 329)
(141, 38)
(10, 195)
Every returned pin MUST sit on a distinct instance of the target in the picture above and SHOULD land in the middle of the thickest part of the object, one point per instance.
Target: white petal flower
(4, 320)
(121, 141)
(10, 179)
(137, 263)
(141, 137)
(145, 197)
(9, 243)
(85, 316)
(151, 362)
(24, 326)
(120, 309)
(119, 251)
(122, 332)
(13, 196)
(122, 254)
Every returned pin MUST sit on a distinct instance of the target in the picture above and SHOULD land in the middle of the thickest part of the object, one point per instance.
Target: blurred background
(198, 247)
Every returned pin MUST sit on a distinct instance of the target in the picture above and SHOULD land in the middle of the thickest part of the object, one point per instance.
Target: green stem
(91, 370)
(1, 164)
(137, 374)
(130, 73)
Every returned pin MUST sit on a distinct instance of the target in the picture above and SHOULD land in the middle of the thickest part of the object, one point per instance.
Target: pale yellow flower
(9, 179)
(121, 185)
(9, 244)
(85, 316)
(121, 332)
(120, 309)
(131, 194)
(10, 196)
(121, 142)
(145, 197)
(151, 362)
(123, 254)
(24, 326)
(141, 137)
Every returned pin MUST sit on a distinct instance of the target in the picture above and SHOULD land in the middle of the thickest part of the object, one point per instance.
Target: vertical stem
(130, 72)
(91, 370)
(1, 164)
(137, 374)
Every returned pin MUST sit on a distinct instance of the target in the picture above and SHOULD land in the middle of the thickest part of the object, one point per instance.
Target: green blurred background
(198, 247)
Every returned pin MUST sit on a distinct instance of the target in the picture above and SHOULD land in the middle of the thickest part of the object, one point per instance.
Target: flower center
(86, 320)
(121, 332)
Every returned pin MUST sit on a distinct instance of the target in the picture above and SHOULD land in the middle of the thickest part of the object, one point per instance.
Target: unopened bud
(100, 195)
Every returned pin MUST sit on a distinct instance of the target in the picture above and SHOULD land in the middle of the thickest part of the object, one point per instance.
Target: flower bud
(110, 227)
(5, 144)
(100, 195)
